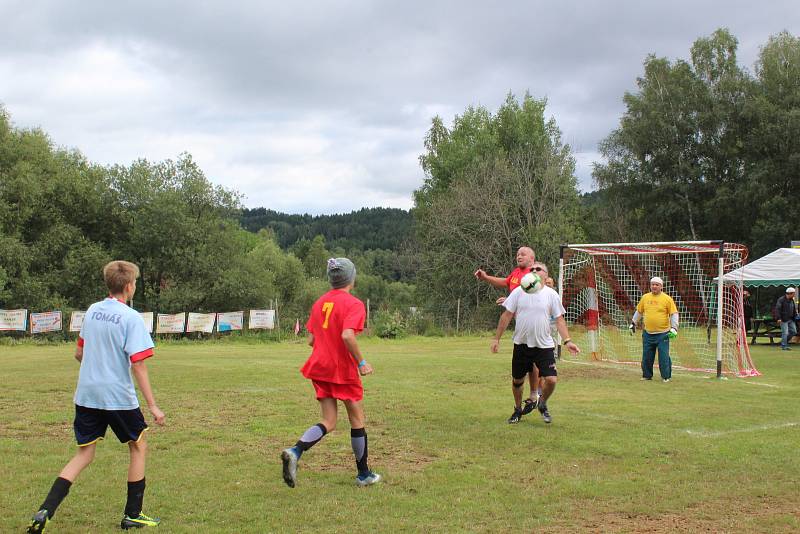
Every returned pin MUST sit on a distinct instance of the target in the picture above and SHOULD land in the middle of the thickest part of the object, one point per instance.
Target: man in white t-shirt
(533, 343)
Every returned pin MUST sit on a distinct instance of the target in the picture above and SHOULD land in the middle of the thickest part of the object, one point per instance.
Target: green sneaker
(139, 521)
(39, 521)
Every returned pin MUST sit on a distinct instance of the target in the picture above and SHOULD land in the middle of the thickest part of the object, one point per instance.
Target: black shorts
(525, 357)
(91, 424)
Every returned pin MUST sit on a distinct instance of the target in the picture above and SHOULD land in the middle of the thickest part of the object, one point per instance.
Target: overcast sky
(322, 107)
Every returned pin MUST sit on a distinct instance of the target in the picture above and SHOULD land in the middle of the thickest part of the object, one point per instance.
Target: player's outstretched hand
(480, 274)
(158, 415)
(500, 301)
(573, 348)
(365, 369)
(495, 346)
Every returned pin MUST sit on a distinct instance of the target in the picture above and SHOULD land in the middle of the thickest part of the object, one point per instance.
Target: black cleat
(139, 521)
(529, 406)
(39, 521)
(515, 417)
(289, 459)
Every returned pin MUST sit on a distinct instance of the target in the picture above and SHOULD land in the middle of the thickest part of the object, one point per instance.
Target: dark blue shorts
(91, 424)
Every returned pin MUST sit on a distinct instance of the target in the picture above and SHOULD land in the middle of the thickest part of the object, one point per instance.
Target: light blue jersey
(113, 335)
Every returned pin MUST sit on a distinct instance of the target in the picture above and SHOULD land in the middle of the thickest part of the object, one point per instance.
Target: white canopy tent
(778, 268)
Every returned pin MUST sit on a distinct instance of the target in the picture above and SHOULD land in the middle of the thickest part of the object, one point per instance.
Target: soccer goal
(601, 284)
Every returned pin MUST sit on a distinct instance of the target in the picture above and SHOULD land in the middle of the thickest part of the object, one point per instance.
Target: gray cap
(341, 272)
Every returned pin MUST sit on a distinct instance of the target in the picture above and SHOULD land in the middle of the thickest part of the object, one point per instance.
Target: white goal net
(601, 284)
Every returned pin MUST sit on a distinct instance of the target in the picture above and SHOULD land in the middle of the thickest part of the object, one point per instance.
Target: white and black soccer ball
(531, 283)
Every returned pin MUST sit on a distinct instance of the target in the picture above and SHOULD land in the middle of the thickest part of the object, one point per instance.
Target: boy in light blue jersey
(113, 341)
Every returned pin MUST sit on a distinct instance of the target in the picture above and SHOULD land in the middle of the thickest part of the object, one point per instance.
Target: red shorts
(344, 392)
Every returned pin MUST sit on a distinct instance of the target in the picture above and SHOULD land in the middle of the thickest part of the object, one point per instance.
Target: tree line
(705, 149)
(62, 218)
(364, 229)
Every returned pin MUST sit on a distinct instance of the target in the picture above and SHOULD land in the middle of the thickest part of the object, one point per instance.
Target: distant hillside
(365, 229)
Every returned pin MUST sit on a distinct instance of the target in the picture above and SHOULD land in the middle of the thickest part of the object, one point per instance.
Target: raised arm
(495, 281)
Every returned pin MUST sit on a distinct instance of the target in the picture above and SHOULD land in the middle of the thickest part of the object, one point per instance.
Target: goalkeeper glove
(672, 334)
(632, 328)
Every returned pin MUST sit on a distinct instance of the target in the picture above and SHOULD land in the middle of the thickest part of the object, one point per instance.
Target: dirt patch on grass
(572, 370)
(39, 431)
(761, 515)
(397, 457)
(387, 457)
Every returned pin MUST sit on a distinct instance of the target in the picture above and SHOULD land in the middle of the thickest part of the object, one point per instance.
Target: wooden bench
(765, 328)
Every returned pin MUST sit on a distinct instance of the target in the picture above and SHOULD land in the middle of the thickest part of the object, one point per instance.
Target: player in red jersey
(334, 368)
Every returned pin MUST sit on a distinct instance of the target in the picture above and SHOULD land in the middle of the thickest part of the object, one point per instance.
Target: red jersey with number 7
(331, 314)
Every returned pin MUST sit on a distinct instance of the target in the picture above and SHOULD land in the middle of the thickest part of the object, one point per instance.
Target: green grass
(696, 454)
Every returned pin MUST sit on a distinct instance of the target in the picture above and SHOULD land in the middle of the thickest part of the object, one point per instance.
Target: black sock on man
(135, 498)
(57, 493)
(358, 439)
(310, 437)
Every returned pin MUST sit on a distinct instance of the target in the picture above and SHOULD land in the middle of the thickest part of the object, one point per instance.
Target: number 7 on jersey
(327, 308)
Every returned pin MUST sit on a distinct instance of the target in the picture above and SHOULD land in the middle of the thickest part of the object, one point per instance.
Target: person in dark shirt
(785, 313)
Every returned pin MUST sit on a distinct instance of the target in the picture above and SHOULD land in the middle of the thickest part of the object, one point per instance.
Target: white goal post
(600, 285)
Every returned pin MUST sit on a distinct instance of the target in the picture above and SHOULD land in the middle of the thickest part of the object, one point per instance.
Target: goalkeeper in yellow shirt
(660, 325)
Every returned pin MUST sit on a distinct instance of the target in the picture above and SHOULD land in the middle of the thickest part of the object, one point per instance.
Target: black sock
(311, 437)
(358, 439)
(135, 497)
(57, 493)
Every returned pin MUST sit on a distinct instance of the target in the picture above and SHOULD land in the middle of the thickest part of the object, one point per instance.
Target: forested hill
(365, 229)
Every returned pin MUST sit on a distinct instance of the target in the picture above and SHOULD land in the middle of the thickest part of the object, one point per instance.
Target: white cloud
(323, 107)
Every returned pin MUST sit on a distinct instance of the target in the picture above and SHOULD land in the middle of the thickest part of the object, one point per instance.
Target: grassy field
(621, 455)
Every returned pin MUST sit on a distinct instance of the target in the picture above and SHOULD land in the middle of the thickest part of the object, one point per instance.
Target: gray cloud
(322, 107)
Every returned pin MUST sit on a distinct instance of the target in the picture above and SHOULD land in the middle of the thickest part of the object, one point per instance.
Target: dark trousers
(651, 343)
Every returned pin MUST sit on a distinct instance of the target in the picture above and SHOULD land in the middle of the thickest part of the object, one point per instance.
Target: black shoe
(39, 521)
(545, 414)
(515, 417)
(529, 406)
(139, 521)
(289, 458)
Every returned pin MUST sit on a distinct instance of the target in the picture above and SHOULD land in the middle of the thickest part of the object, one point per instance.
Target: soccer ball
(531, 283)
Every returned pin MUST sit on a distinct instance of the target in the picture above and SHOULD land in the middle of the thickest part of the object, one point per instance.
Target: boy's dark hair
(119, 274)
